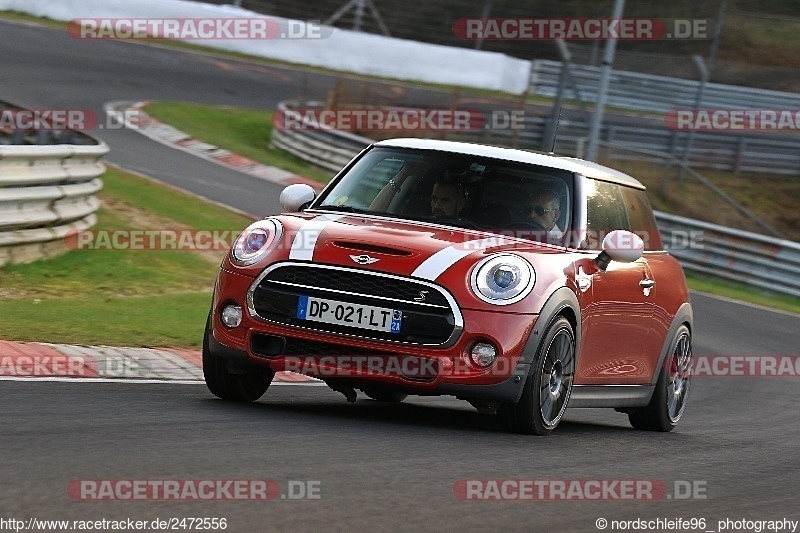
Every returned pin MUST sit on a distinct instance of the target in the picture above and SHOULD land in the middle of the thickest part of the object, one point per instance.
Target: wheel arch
(683, 317)
(562, 302)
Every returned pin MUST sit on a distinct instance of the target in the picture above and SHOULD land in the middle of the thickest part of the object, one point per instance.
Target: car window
(642, 221)
(605, 212)
(490, 194)
(505, 197)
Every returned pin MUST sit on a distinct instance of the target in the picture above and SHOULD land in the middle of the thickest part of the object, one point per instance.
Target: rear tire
(547, 387)
(668, 403)
(248, 386)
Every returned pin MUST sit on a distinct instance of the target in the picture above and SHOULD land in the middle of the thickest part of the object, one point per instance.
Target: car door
(617, 304)
(616, 326)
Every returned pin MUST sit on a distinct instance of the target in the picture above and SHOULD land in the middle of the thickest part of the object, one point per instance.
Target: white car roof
(570, 164)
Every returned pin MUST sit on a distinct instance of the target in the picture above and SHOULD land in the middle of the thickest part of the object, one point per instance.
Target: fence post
(333, 98)
(740, 148)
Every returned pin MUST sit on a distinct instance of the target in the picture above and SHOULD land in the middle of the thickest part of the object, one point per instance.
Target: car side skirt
(610, 395)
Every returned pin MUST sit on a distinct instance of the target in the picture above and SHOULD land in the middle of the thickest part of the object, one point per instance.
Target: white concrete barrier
(46, 192)
(345, 50)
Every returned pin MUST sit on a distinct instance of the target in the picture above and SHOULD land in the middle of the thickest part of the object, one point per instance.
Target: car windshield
(456, 189)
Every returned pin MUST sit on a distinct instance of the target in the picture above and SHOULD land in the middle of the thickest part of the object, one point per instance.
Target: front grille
(434, 321)
(357, 282)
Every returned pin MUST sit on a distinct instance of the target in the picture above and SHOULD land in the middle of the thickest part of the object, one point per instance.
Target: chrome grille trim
(458, 319)
(357, 294)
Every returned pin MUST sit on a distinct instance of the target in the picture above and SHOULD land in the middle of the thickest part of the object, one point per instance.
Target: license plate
(348, 314)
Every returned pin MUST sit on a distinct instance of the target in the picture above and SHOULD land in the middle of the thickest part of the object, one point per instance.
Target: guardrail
(46, 192)
(760, 153)
(769, 152)
(733, 254)
(634, 90)
(757, 260)
(327, 148)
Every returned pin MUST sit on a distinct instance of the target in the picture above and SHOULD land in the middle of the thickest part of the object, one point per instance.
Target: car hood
(405, 248)
(438, 253)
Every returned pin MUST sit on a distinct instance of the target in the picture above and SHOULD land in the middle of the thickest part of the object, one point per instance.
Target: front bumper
(411, 368)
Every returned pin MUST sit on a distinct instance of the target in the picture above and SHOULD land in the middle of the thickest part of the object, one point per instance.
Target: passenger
(544, 210)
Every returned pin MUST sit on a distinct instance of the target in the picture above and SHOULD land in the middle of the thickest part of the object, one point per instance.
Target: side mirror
(297, 197)
(620, 245)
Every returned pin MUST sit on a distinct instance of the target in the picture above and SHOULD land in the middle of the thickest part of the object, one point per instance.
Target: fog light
(483, 354)
(231, 315)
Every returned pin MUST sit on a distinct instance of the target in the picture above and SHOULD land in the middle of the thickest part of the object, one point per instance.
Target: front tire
(668, 403)
(247, 386)
(548, 386)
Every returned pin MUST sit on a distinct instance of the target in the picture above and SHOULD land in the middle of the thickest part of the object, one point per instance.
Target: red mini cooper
(520, 282)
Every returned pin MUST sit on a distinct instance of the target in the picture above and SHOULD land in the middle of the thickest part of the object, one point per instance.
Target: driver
(447, 198)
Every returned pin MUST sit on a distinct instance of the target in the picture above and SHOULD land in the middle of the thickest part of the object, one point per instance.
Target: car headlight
(255, 241)
(503, 279)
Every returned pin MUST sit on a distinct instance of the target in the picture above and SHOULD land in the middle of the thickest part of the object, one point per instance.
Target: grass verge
(121, 296)
(242, 131)
(771, 198)
(742, 292)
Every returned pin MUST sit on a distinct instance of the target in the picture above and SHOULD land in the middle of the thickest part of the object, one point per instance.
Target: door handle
(647, 283)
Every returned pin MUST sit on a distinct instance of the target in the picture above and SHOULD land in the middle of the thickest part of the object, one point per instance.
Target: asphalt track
(379, 467)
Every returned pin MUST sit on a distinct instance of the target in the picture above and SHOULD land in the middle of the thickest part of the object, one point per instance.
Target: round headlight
(255, 241)
(503, 279)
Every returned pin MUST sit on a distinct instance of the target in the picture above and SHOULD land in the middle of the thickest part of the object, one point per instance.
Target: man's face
(446, 200)
(544, 211)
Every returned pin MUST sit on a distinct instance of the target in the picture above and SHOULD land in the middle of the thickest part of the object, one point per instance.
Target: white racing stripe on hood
(305, 241)
(435, 265)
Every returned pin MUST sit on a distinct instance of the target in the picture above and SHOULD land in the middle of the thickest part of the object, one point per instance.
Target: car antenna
(555, 134)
